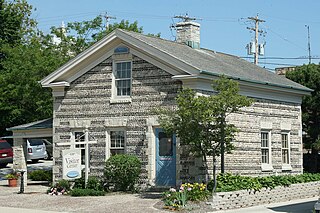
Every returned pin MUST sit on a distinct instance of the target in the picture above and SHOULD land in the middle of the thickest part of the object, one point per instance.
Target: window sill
(120, 100)
(266, 167)
(286, 167)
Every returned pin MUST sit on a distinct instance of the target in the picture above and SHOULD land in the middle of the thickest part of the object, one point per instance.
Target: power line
(283, 38)
(293, 65)
(283, 58)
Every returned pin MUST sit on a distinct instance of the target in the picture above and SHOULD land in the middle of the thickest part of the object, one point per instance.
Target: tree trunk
(222, 141)
(214, 174)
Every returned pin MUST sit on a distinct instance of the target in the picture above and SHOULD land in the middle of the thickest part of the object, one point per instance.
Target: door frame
(157, 131)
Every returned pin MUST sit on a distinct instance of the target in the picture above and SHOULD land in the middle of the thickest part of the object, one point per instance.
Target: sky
(223, 23)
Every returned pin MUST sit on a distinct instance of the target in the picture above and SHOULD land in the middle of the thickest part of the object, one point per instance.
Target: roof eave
(303, 91)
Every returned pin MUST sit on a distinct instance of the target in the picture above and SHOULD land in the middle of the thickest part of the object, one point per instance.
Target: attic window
(121, 50)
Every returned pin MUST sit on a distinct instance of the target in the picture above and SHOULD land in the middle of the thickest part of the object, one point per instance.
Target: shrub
(93, 183)
(122, 172)
(86, 192)
(227, 182)
(40, 175)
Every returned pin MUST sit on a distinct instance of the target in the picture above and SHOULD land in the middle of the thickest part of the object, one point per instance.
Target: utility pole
(107, 17)
(309, 45)
(257, 31)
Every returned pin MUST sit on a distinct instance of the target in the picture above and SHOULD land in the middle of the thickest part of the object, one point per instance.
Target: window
(165, 145)
(122, 75)
(80, 137)
(265, 147)
(117, 142)
(285, 148)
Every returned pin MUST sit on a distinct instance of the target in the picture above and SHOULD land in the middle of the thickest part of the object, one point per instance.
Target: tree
(201, 121)
(27, 55)
(309, 76)
(78, 36)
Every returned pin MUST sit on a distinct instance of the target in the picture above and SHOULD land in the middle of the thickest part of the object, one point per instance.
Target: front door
(165, 159)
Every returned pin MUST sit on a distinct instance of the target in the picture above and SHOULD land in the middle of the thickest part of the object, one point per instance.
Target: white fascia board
(246, 88)
(78, 59)
(58, 84)
(158, 54)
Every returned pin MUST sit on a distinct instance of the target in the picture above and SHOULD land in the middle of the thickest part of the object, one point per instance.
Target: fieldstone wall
(247, 198)
(87, 102)
(88, 99)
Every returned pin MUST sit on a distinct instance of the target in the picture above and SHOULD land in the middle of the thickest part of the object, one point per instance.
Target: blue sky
(223, 26)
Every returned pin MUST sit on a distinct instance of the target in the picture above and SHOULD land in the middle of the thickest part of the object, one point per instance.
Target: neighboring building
(39, 129)
(113, 87)
(284, 70)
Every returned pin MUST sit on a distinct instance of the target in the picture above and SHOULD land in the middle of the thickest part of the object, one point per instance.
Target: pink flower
(189, 189)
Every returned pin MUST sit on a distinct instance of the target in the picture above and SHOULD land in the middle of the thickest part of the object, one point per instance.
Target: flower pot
(12, 182)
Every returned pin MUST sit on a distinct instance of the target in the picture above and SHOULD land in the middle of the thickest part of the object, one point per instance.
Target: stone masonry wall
(247, 198)
(88, 99)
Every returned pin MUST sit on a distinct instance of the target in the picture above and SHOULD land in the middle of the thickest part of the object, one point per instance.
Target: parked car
(36, 150)
(48, 148)
(6, 153)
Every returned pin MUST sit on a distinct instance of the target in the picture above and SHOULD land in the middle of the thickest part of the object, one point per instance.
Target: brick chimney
(188, 32)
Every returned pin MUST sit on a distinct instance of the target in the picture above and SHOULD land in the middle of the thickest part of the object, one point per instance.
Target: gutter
(307, 90)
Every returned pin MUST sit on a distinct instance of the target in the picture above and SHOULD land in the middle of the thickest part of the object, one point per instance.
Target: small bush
(93, 183)
(40, 175)
(86, 192)
(122, 172)
(227, 182)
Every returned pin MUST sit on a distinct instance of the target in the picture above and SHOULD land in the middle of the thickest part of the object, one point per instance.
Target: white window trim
(114, 97)
(267, 166)
(108, 140)
(286, 167)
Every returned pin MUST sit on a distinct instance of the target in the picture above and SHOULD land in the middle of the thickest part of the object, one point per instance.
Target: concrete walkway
(18, 210)
(294, 206)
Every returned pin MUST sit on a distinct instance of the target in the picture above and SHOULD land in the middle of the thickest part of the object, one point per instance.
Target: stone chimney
(188, 32)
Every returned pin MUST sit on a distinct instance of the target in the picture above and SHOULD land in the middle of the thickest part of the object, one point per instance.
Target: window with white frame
(265, 147)
(122, 77)
(117, 142)
(285, 147)
(79, 136)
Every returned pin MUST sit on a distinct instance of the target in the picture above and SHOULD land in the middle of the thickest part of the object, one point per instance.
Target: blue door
(165, 159)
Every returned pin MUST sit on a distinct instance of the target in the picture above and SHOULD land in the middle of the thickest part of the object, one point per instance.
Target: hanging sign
(71, 164)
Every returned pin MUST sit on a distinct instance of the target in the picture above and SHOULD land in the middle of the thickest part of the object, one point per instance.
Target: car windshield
(35, 142)
(4, 145)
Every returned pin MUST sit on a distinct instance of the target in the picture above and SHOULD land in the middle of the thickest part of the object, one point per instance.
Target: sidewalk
(293, 206)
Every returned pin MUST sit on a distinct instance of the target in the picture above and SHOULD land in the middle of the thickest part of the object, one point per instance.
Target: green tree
(201, 121)
(27, 55)
(309, 76)
(78, 36)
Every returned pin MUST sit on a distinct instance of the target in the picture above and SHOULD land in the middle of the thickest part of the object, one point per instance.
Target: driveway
(36, 198)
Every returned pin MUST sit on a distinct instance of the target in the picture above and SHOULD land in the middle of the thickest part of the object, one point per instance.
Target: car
(36, 150)
(48, 148)
(6, 153)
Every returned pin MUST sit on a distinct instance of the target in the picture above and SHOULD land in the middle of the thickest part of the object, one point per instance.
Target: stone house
(113, 87)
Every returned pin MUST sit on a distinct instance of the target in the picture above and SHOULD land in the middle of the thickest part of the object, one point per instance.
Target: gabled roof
(42, 124)
(194, 61)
